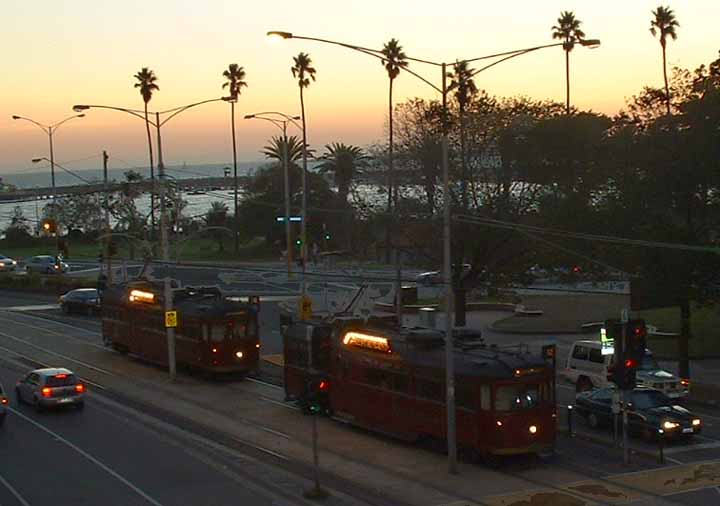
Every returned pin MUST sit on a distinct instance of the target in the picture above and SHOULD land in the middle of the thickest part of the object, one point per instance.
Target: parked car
(7, 264)
(588, 368)
(46, 264)
(3, 405)
(51, 387)
(81, 300)
(649, 411)
(431, 278)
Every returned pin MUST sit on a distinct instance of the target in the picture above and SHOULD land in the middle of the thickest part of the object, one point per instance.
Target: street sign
(171, 319)
(305, 308)
(607, 344)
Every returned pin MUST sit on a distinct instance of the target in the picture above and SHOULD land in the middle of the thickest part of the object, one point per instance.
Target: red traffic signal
(630, 363)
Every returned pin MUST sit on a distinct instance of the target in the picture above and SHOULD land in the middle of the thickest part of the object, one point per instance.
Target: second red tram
(394, 382)
(213, 334)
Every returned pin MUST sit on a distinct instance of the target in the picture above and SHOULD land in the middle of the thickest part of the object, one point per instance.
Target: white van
(587, 368)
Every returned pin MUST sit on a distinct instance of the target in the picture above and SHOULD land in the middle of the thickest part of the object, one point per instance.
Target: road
(279, 431)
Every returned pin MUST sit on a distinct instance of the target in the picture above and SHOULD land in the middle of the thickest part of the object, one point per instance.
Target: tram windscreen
(521, 396)
(239, 327)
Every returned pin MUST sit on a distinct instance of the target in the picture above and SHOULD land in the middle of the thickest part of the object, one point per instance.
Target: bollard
(570, 419)
(661, 444)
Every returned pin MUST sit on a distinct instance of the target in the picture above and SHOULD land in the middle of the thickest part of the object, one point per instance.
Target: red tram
(214, 334)
(393, 382)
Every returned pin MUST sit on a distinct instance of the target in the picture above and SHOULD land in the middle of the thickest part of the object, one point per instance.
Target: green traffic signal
(298, 242)
(327, 237)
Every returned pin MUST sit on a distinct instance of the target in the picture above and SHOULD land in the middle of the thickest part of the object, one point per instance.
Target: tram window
(465, 398)
(251, 326)
(514, 397)
(217, 333)
(485, 397)
(429, 389)
(235, 329)
(297, 353)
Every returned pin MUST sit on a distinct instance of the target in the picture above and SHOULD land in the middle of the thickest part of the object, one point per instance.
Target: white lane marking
(84, 364)
(260, 382)
(48, 320)
(566, 387)
(261, 448)
(34, 307)
(88, 456)
(14, 492)
(273, 401)
(31, 359)
(683, 449)
(61, 334)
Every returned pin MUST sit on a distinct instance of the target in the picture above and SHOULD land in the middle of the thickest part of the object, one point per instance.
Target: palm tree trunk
(152, 170)
(390, 175)
(303, 224)
(464, 182)
(667, 88)
(235, 180)
(567, 82)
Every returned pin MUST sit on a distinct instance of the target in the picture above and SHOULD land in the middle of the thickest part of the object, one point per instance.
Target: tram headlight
(239, 354)
(533, 429)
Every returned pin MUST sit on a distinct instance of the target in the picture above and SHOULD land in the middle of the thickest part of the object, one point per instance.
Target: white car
(587, 368)
(46, 264)
(436, 277)
(7, 264)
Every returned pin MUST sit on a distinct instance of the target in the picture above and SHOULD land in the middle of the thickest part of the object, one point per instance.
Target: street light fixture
(171, 113)
(447, 275)
(282, 125)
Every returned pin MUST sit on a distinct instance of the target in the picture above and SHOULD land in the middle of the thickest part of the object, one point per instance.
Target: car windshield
(61, 380)
(649, 399)
(648, 363)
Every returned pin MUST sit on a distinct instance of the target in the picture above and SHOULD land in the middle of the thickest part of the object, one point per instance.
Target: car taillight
(46, 391)
(4, 400)
(79, 388)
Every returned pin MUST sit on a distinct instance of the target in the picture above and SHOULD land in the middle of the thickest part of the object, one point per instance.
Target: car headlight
(668, 425)
(696, 422)
(239, 354)
(533, 429)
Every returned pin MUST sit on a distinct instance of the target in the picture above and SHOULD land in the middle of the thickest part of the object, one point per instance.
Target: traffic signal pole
(108, 240)
(621, 357)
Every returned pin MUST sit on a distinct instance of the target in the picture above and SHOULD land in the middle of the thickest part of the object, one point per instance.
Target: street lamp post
(447, 275)
(167, 287)
(282, 124)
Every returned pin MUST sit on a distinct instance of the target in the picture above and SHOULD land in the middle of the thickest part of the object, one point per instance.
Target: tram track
(536, 483)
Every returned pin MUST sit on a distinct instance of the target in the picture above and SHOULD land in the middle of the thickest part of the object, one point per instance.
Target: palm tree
(304, 72)
(234, 75)
(146, 82)
(344, 162)
(394, 60)
(461, 80)
(216, 216)
(276, 149)
(664, 25)
(568, 30)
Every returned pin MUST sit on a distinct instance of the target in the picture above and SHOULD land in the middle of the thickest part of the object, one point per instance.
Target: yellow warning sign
(171, 319)
(305, 308)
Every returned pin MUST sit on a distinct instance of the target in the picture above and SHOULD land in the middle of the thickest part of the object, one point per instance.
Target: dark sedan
(81, 300)
(649, 412)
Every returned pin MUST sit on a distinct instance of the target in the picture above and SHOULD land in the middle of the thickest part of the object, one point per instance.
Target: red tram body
(393, 382)
(213, 334)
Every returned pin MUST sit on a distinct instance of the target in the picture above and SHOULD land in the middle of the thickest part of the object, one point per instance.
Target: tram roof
(425, 348)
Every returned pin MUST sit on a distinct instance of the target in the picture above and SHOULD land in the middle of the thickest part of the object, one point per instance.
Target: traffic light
(49, 226)
(298, 242)
(327, 236)
(629, 340)
(636, 340)
(317, 396)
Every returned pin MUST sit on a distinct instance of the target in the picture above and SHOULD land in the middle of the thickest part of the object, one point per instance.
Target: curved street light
(282, 125)
(447, 274)
(158, 123)
(50, 131)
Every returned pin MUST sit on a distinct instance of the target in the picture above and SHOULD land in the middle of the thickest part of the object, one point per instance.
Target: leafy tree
(663, 25)
(217, 216)
(18, 232)
(343, 162)
(568, 30)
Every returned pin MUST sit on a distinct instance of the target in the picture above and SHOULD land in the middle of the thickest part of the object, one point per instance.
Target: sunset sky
(56, 54)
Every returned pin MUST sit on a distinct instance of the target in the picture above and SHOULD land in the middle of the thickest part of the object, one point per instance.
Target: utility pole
(167, 288)
(108, 238)
(286, 176)
(447, 278)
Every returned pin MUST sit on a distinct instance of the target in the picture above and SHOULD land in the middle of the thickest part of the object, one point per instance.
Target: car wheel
(593, 421)
(107, 341)
(38, 407)
(28, 269)
(583, 385)
(65, 308)
(80, 406)
(18, 397)
(89, 311)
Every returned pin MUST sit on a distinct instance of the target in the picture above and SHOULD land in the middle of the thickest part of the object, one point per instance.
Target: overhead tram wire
(492, 223)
